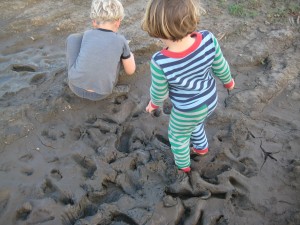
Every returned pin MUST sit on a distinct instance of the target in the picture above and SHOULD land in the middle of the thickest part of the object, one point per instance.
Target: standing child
(94, 57)
(182, 71)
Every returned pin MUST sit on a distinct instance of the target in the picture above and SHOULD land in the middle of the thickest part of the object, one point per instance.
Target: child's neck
(113, 26)
(181, 45)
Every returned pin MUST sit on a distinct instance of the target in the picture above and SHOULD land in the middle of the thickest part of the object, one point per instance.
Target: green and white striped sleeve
(159, 89)
(220, 66)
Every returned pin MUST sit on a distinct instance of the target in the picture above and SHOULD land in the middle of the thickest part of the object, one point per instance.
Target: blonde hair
(106, 11)
(171, 19)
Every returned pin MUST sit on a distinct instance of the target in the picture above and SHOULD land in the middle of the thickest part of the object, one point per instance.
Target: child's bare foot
(200, 151)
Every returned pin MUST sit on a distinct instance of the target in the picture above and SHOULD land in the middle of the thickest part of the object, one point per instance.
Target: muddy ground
(65, 160)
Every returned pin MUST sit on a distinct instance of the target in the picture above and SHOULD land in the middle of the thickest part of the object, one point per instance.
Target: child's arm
(159, 89)
(221, 68)
(129, 64)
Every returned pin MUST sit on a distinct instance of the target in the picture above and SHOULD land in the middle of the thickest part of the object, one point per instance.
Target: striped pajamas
(187, 79)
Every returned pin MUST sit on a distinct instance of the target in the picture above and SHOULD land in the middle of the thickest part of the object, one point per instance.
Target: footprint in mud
(120, 113)
(111, 193)
(27, 171)
(40, 216)
(104, 214)
(124, 164)
(56, 174)
(24, 211)
(251, 168)
(181, 187)
(238, 185)
(78, 133)
(212, 170)
(246, 166)
(93, 136)
(109, 154)
(26, 157)
(168, 215)
(6, 167)
(48, 135)
(119, 99)
(91, 119)
(4, 199)
(23, 68)
(52, 191)
(122, 218)
(131, 139)
(84, 208)
(53, 134)
(102, 125)
(241, 202)
(88, 165)
(48, 187)
(123, 143)
(161, 149)
(38, 78)
(194, 210)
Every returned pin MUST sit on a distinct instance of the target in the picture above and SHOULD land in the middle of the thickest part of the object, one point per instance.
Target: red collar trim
(193, 47)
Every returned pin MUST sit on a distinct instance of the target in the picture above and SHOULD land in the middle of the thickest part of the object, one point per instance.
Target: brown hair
(171, 19)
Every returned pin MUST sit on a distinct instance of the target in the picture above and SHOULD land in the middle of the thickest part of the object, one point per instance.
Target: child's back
(188, 73)
(94, 57)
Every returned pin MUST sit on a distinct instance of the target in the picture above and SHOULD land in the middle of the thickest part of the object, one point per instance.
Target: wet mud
(66, 160)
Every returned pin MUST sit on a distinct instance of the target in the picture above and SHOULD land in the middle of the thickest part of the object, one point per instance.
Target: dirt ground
(65, 160)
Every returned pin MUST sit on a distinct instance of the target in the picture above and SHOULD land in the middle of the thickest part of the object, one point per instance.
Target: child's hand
(230, 85)
(150, 107)
(231, 88)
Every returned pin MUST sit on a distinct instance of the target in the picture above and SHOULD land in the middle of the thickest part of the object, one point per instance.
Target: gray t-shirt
(98, 63)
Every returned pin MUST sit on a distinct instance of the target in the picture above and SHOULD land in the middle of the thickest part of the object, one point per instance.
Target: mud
(66, 160)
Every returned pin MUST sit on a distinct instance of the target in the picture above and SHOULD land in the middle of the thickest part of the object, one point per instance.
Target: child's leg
(198, 137)
(181, 126)
(93, 96)
(73, 48)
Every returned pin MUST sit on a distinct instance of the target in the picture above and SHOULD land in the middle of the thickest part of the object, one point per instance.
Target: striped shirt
(186, 77)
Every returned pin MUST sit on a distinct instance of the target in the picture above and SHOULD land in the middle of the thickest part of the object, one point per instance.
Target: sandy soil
(65, 160)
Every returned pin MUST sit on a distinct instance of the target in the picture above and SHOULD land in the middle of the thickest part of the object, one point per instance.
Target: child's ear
(94, 23)
(117, 23)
